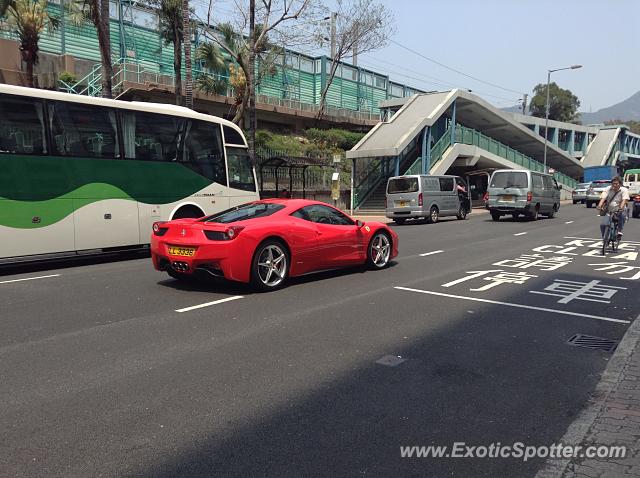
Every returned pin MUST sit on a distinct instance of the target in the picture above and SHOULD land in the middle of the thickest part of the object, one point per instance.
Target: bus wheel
(189, 211)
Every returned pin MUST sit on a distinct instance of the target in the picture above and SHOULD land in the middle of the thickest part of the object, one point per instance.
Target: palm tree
(236, 47)
(97, 13)
(171, 29)
(213, 60)
(4, 5)
(30, 18)
(186, 40)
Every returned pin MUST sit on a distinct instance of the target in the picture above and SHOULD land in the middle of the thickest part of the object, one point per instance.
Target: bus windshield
(240, 169)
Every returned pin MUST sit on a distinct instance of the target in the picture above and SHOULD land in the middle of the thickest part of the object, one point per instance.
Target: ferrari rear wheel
(379, 251)
(270, 266)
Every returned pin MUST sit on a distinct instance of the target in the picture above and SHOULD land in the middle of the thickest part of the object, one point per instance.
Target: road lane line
(207, 304)
(520, 234)
(430, 253)
(569, 222)
(520, 306)
(29, 278)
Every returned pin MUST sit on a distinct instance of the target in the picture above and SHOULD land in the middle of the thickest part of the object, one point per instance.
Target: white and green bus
(81, 174)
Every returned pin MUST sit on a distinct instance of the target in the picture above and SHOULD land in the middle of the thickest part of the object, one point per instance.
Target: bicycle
(610, 236)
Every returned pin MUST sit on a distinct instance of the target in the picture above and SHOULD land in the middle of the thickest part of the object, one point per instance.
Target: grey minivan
(431, 197)
(522, 192)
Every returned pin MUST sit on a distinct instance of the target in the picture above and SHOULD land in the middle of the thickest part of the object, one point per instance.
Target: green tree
(29, 19)
(96, 12)
(235, 46)
(171, 27)
(4, 5)
(563, 104)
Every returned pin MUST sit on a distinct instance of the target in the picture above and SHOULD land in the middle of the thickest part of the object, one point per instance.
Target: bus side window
(150, 136)
(22, 125)
(83, 131)
(203, 150)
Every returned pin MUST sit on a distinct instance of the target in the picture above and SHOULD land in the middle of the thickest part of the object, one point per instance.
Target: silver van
(522, 192)
(426, 196)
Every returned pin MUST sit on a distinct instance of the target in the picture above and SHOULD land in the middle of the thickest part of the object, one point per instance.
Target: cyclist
(613, 200)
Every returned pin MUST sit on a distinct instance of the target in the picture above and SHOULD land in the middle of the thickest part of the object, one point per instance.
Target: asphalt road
(101, 376)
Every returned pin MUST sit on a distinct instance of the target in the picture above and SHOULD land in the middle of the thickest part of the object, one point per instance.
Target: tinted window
(324, 215)
(240, 169)
(246, 211)
(537, 181)
(203, 150)
(83, 130)
(150, 136)
(231, 136)
(446, 184)
(508, 179)
(402, 185)
(548, 182)
(431, 184)
(21, 125)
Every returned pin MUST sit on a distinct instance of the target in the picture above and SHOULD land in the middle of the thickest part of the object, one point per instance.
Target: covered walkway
(453, 131)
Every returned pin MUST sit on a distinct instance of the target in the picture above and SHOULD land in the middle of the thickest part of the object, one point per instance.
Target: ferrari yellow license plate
(507, 198)
(403, 203)
(182, 251)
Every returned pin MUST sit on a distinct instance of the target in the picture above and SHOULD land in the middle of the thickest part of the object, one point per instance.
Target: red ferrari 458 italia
(265, 242)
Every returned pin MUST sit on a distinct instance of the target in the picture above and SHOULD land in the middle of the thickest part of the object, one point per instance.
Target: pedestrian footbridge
(457, 132)
(614, 146)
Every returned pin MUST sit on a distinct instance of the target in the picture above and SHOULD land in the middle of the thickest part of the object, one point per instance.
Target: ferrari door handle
(319, 233)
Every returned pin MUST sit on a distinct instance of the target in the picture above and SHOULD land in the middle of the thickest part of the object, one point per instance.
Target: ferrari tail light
(529, 196)
(233, 231)
(420, 199)
(158, 230)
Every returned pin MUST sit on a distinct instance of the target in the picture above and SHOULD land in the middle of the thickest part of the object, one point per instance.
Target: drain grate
(591, 342)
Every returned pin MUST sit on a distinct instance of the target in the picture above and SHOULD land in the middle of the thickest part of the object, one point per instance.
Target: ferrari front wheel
(379, 251)
(270, 266)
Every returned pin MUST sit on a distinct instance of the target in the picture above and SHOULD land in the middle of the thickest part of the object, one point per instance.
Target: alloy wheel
(272, 265)
(380, 250)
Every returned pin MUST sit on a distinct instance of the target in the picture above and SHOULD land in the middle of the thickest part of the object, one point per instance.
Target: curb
(577, 431)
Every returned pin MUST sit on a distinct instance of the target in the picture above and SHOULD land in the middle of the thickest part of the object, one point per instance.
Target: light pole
(546, 115)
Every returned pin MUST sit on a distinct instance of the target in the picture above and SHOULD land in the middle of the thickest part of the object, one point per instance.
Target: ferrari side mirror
(359, 223)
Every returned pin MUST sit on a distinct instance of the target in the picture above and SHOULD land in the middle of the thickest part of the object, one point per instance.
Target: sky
(511, 44)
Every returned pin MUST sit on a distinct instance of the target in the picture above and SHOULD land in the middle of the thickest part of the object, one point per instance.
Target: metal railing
(437, 151)
(470, 136)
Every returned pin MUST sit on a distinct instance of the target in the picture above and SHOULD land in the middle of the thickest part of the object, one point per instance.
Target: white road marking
(520, 234)
(597, 239)
(29, 278)
(430, 253)
(520, 306)
(569, 222)
(207, 304)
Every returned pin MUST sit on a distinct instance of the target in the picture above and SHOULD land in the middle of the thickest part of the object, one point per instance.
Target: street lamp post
(546, 115)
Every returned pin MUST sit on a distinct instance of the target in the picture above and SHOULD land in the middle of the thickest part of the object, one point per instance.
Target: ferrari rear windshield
(246, 211)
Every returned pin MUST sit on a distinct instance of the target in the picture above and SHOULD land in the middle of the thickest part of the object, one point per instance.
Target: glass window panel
(203, 150)
(22, 128)
(240, 169)
(231, 136)
(151, 136)
(83, 130)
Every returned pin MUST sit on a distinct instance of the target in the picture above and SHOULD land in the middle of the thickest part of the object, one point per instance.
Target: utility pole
(524, 104)
(355, 49)
(334, 17)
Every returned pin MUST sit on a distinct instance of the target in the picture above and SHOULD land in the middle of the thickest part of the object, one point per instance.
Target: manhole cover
(591, 342)
(391, 360)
